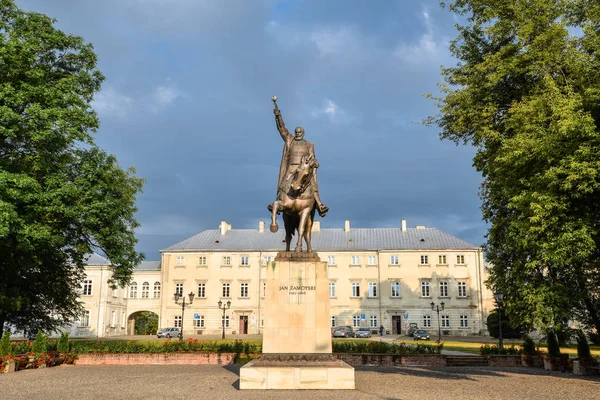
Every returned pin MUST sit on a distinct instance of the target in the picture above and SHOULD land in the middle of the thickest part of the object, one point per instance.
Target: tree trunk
(2, 319)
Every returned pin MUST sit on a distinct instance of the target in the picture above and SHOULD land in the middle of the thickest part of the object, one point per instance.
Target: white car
(168, 333)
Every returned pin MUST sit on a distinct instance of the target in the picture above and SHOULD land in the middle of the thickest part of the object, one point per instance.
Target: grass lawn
(473, 347)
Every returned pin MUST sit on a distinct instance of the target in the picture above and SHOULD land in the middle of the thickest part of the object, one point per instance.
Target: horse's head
(304, 173)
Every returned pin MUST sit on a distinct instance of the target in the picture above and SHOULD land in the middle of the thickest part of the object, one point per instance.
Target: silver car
(168, 333)
(343, 331)
(363, 332)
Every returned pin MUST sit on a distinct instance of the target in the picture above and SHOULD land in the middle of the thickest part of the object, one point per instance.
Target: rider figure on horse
(295, 148)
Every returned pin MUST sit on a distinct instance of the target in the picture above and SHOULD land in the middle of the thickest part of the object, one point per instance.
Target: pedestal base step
(296, 375)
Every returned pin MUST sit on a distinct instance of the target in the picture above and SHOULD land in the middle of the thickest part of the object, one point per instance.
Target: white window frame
(424, 259)
(462, 289)
(445, 321)
(202, 261)
(226, 261)
(393, 260)
(333, 321)
(372, 260)
(123, 320)
(442, 259)
(201, 290)
(245, 261)
(179, 289)
(180, 261)
(267, 259)
(84, 321)
(113, 319)
(156, 291)
(226, 290)
(332, 290)
(145, 290)
(460, 259)
(355, 260)
(355, 289)
(464, 321)
(395, 289)
(356, 321)
(372, 289)
(331, 260)
(199, 322)
(225, 319)
(133, 289)
(443, 288)
(177, 321)
(373, 321)
(244, 290)
(426, 321)
(425, 289)
(87, 287)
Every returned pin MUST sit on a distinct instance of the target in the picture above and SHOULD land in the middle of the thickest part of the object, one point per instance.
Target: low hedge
(359, 346)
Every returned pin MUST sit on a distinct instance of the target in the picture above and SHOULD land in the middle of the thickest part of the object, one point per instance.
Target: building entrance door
(396, 324)
(243, 324)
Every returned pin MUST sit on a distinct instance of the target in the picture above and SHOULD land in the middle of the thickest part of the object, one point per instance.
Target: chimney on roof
(316, 227)
(347, 226)
(224, 227)
(403, 225)
(261, 226)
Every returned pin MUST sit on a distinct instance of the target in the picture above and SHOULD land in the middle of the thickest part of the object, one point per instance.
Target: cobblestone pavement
(221, 382)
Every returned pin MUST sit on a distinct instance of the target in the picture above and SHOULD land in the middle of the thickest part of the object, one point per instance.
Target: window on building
(372, 260)
(202, 290)
(395, 289)
(333, 321)
(372, 289)
(87, 287)
(464, 321)
(426, 321)
(225, 321)
(156, 290)
(268, 259)
(84, 322)
(245, 261)
(145, 290)
(199, 322)
(445, 321)
(264, 288)
(355, 260)
(425, 289)
(115, 292)
(424, 260)
(177, 321)
(180, 261)
(355, 289)
(202, 261)
(123, 320)
(244, 289)
(393, 260)
(331, 289)
(460, 259)
(113, 319)
(331, 260)
(225, 292)
(356, 321)
(443, 289)
(133, 290)
(373, 321)
(462, 289)
(179, 289)
(442, 259)
(226, 261)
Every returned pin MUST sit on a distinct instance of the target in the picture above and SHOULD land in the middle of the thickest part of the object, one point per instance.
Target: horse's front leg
(301, 228)
(274, 228)
(308, 231)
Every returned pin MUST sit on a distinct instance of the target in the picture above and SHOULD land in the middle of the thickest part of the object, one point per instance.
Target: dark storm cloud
(187, 103)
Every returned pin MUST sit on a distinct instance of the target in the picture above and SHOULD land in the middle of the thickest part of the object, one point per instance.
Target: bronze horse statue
(296, 200)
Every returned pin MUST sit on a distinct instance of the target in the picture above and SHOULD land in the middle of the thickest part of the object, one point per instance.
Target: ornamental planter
(585, 367)
(556, 364)
(533, 360)
(11, 366)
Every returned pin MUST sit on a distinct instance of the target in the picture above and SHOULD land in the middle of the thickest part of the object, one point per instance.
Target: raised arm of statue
(285, 134)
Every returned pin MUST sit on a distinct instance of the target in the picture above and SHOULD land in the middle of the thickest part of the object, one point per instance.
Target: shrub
(583, 348)
(361, 346)
(528, 346)
(553, 347)
(62, 345)
(40, 344)
(488, 349)
(5, 344)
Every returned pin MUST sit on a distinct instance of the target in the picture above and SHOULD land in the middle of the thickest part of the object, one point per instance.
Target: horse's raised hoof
(274, 228)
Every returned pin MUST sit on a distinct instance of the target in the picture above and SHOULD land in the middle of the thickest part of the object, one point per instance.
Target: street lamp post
(499, 295)
(438, 308)
(224, 306)
(183, 304)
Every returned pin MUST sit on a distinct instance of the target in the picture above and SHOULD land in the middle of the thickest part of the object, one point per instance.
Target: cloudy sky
(187, 102)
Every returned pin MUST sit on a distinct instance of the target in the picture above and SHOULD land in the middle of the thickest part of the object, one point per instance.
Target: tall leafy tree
(526, 93)
(61, 197)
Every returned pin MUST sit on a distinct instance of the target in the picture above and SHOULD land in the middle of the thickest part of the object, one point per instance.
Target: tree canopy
(526, 93)
(61, 197)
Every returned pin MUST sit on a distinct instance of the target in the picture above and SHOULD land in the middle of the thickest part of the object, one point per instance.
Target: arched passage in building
(142, 323)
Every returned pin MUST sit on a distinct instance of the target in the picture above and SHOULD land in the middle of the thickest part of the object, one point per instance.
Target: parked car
(343, 331)
(412, 327)
(421, 334)
(363, 332)
(168, 333)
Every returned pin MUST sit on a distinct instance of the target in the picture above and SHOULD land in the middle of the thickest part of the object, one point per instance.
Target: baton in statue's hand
(274, 98)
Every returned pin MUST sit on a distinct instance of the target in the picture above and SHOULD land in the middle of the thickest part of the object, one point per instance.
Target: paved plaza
(221, 382)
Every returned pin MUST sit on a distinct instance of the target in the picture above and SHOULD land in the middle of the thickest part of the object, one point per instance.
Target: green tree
(508, 331)
(526, 93)
(61, 197)
(146, 323)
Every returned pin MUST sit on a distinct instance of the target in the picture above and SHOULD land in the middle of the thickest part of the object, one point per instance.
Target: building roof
(96, 259)
(356, 239)
(148, 266)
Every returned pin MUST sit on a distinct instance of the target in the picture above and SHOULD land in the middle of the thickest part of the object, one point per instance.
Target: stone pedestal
(297, 333)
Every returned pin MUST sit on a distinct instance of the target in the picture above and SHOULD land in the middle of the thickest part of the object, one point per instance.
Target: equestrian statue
(297, 188)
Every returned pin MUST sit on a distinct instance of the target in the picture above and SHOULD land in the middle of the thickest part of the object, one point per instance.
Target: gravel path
(218, 382)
